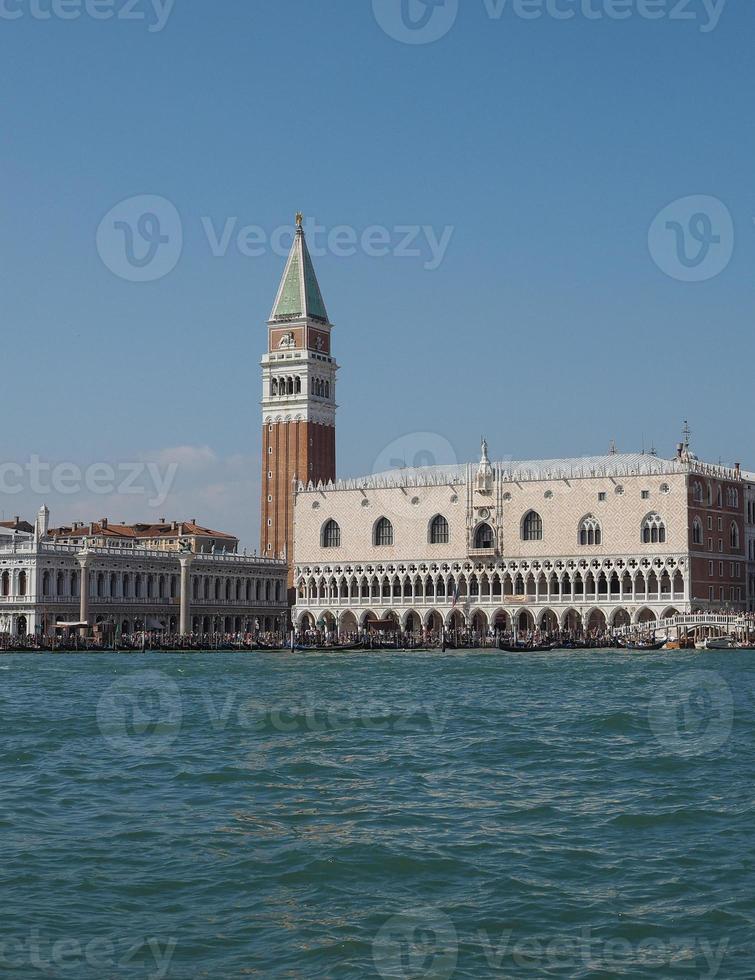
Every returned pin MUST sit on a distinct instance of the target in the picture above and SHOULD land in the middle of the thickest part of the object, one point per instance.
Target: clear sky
(544, 147)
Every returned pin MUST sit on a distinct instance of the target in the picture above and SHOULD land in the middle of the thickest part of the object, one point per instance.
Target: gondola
(526, 648)
(646, 647)
(337, 648)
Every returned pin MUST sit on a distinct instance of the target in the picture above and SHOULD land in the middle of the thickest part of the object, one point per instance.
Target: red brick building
(298, 398)
(716, 521)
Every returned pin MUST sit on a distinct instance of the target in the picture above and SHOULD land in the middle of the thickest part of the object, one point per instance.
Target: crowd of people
(135, 642)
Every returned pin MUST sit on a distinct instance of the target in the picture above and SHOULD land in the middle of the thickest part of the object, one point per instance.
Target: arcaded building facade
(175, 577)
(584, 543)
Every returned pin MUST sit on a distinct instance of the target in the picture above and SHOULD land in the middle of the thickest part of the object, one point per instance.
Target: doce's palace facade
(593, 543)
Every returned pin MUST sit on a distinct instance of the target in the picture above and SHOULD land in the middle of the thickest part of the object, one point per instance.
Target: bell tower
(298, 399)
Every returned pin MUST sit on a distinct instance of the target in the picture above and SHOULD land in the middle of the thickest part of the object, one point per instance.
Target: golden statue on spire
(299, 219)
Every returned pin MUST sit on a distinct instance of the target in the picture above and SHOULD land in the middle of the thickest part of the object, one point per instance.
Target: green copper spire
(299, 293)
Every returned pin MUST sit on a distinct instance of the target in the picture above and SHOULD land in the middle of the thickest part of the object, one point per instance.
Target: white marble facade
(138, 589)
(589, 542)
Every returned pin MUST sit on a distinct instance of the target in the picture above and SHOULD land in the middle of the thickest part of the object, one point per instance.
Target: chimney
(91, 528)
(193, 520)
(174, 526)
(17, 521)
(162, 520)
(104, 523)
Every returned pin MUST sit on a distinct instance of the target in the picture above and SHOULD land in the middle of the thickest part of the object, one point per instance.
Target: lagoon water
(235, 815)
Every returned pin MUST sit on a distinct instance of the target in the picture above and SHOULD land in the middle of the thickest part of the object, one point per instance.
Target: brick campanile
(298, 399)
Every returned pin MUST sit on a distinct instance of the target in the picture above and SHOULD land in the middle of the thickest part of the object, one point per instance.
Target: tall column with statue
(84, 559)
(186, 559)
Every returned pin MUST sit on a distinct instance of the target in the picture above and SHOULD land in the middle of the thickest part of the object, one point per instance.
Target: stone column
(185, 627)
(83, 560)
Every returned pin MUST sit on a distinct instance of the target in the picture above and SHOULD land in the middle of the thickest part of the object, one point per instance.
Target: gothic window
(274, 386)
(653, 530)
(697, 492)
(439, 530)
(589, 531)
(719, 497)
(383, 534)
(734, 535)
(532, 527)
(484, 537)
(331, 535)
(697, 531)
(327, 389)
(298, 385)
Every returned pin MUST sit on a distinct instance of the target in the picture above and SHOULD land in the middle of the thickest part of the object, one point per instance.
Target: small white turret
(484, 471)
(42, 523)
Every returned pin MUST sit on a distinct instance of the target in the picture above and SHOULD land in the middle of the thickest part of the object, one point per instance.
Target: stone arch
(669, 612)
(479, 621)
(620, 617)
(368, 616)
(329, 619)
(645, 616)
(596, 620)
(411, 622)
(571, 620)
(348, 622)
(455, 620)
(548, 621)
(392, 616)
(306, 621)
(434, 621)
(524, 620)
(501, 620)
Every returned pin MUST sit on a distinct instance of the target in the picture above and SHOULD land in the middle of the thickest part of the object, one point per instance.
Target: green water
(231, 815)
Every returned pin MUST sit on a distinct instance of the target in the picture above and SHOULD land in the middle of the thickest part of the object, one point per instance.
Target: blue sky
(545, 148)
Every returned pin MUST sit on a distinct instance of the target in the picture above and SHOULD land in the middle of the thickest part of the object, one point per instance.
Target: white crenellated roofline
(527, 471)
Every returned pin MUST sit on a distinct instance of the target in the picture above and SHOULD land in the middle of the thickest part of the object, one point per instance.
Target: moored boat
(646, 646)
(715, 643)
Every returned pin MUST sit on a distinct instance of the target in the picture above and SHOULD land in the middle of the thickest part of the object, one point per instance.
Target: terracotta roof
(136, 531)
(18, 526)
